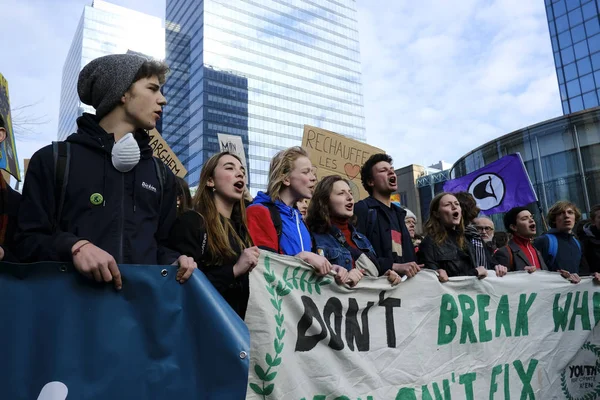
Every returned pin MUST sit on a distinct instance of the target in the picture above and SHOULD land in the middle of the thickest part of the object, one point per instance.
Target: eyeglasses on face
(485, 228)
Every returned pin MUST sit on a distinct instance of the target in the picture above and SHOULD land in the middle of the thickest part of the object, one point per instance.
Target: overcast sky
(440, 77)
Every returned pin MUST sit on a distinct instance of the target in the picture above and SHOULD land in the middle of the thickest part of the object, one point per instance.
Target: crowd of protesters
(100, 199)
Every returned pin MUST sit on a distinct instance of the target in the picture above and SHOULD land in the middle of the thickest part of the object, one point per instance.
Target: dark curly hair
(318, 217)
(366, 172)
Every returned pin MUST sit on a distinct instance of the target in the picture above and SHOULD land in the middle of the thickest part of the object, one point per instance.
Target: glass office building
(260, 70)
(562, 158)
(575, 34)
(103, 29)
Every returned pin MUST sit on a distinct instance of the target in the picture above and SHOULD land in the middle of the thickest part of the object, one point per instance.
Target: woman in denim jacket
(329, 219)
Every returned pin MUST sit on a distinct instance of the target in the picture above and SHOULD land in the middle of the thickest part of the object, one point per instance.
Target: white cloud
(441, 78)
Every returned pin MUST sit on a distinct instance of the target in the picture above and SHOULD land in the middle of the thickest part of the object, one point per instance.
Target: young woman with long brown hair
(330, 219)
(445, 248)
(215, 232)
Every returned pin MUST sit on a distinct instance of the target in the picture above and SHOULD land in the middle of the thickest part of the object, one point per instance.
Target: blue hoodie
(295, 237)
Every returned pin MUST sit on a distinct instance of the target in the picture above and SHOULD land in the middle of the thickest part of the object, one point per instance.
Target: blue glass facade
(261, 70)
(103, 29)
(575, 34)
(562, 158)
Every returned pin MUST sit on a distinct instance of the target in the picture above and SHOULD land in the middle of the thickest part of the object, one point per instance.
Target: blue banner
(63, 336)
(497, 187)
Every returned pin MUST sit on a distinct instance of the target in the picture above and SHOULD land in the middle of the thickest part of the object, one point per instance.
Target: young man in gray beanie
(116, 204)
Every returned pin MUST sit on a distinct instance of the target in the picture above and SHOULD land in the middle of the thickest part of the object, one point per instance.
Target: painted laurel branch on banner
(278, 289)
(518, 337)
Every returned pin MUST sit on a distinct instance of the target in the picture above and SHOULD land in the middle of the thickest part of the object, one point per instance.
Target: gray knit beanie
(105, 80)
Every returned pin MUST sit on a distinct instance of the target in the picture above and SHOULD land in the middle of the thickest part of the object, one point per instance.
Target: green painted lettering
(560, 314)
(596, 301)
(497, 370)
(527, 391)
(467, 380)
(448, 313)
(582, 310)
(425, 395)
(467, 306)
(503, 317)
(506, 382)
(522, 324)
(438, 394)
(485, 334)
(406, 394)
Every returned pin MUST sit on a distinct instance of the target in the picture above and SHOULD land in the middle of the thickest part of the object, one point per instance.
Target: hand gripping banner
(65, 337)
(523, 336)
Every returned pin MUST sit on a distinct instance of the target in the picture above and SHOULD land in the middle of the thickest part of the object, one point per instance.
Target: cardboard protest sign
(8, 151)
(522, 336)
(234, 145)
(162, 151)
(334, 154)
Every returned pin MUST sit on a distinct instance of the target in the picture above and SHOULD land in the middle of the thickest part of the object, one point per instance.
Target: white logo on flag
(53, 391)
(488, 190)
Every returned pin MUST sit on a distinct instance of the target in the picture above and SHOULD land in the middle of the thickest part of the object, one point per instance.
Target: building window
(571, 71)
(575, 17)
(576, 104)
(564, 39)
(584, 66)
(592, 26)
(567, 55)
(578, 33)
(589, 10)
(573, 88)
(581, 50)
(559, 8)
(587, 83)
(590, 100)
(562, 23)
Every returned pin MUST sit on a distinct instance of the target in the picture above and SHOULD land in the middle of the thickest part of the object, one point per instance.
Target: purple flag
(498, 186)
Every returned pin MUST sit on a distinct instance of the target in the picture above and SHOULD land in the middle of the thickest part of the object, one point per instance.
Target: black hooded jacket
(133, 221)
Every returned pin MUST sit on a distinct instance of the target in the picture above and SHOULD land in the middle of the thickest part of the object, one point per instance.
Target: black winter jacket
(378, 232)
(591, 247)
(10, 207)
(448, 256)
(189, 237)
(133, 221)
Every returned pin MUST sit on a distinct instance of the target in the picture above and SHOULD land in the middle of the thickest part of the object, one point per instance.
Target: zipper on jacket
(299, 232)
(121, 233)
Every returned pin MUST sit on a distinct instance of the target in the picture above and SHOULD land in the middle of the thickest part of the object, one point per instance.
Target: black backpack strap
(276, 218)
(62, 160)
(161, 172)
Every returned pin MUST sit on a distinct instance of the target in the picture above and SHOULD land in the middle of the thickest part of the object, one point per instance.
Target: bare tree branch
(24, 122)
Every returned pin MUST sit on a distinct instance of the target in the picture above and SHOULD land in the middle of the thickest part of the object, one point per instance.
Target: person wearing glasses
(483, 256)
(485, 227)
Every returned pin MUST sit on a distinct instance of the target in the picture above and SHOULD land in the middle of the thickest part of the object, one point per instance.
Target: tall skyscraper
(103, 29)
(575, 34)
(261, 70)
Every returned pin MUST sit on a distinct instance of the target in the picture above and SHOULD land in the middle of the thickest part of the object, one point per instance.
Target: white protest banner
(234, 145)
(522, 336)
